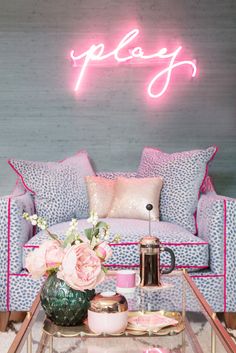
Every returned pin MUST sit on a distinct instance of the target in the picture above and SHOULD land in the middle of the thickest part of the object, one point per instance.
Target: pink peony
(103, 251)
(48, 255)
(81, 268)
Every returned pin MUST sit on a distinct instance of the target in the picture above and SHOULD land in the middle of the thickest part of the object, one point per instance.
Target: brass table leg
(29, 338)
(51, 344)
(29, 343)
(213, 337)
(183, 348)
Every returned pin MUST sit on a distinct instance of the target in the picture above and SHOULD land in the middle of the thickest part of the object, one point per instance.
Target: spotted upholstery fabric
(24, 290)
(14, 233)
(59, 189)
(190, 251)
(114, 175)
(217, 225)
(183, 175)
(216, 218)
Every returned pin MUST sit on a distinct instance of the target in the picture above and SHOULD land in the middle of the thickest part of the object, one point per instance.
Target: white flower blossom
(93, 218)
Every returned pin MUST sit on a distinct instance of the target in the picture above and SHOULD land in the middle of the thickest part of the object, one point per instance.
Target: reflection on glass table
(198, 329)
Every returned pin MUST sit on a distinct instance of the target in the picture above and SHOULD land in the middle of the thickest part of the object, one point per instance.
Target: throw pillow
(183, 173)
(59, 188)
(132, 195)
(100, 194)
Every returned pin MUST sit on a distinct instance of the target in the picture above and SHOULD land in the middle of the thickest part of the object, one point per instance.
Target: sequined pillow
(132, 195)
(59, 188)
(100, 194)
(183, 174)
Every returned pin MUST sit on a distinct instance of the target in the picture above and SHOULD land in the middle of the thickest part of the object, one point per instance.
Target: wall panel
(41, 119)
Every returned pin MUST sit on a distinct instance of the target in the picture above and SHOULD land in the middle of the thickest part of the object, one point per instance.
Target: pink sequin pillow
(132, 195)
(100, 194)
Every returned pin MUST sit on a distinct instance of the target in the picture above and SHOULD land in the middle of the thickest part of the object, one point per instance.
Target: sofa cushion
(133, 194)
(100, 194)
(58, 187)
(191, 252)
(183, 174)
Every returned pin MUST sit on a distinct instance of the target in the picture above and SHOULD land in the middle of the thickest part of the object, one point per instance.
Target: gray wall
(42, 119)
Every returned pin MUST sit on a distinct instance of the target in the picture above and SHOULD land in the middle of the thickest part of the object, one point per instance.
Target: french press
(150, 249)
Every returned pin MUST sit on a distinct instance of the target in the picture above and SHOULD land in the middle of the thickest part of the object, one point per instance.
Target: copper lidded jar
(108, 313)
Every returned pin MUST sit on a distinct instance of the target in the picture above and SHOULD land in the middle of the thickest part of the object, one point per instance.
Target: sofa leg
(17, 316)
(230, 320)
(4, 318)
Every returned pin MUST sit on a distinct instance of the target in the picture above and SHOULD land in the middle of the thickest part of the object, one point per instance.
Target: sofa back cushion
(183, 174)
(58, 187)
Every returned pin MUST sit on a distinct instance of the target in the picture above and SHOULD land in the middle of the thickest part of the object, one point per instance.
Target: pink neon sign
(96, 54)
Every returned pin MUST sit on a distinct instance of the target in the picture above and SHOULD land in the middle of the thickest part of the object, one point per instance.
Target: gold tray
(83, 330)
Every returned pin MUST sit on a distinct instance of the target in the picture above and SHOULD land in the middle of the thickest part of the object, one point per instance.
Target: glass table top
(199, 329)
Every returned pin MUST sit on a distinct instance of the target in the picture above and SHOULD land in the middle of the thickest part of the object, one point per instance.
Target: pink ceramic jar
(108, 313)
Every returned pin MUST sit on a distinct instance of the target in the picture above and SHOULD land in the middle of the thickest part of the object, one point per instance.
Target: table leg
(29, 343)
(183, 342)
(51, 344)
(213, 341)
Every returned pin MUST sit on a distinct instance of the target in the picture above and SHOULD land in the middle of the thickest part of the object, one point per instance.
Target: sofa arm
(216, 219)
(14, 230)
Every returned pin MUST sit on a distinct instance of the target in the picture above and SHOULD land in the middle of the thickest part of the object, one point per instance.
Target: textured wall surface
(42, 119)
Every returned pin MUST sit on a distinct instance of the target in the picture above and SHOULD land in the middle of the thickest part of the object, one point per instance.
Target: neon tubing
(96, 53)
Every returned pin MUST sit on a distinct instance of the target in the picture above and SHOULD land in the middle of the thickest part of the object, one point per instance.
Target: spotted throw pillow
(183, 174)
(59, 188)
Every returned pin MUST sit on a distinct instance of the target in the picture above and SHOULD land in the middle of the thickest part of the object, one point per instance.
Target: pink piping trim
(187, 243)
(206, 276)
(22, 179)
(195, 218)
(118, 265)
(206, 171)
(123, 244)
(24, 275)
(134, 243)
(225, 253)
(31, 246)
(203, 180)
(137, 265)
(187, 266)
(193, 276)
(8, 252)
(164, 243)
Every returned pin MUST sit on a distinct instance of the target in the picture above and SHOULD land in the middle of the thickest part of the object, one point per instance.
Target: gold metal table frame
(24, 336)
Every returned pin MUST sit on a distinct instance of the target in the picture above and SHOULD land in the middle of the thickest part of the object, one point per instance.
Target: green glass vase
(62, 304)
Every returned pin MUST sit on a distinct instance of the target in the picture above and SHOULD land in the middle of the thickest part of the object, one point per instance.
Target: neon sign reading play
(157, 86)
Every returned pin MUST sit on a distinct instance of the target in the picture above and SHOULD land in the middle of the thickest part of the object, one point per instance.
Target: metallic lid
(108, 302)
(150, 242)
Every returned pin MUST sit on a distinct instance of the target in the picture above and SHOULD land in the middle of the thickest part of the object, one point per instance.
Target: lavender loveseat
(196, 223)
(209, 256)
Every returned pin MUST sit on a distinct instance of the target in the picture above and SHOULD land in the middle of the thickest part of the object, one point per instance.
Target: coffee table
(199, 329)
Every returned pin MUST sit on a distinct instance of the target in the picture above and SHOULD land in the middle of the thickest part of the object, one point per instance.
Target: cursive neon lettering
(96, 53)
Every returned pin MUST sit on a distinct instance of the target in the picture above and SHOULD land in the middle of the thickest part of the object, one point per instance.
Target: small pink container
(108, 313)
(126, 281)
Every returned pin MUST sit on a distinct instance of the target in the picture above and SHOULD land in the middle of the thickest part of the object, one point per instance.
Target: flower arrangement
(78, 259)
